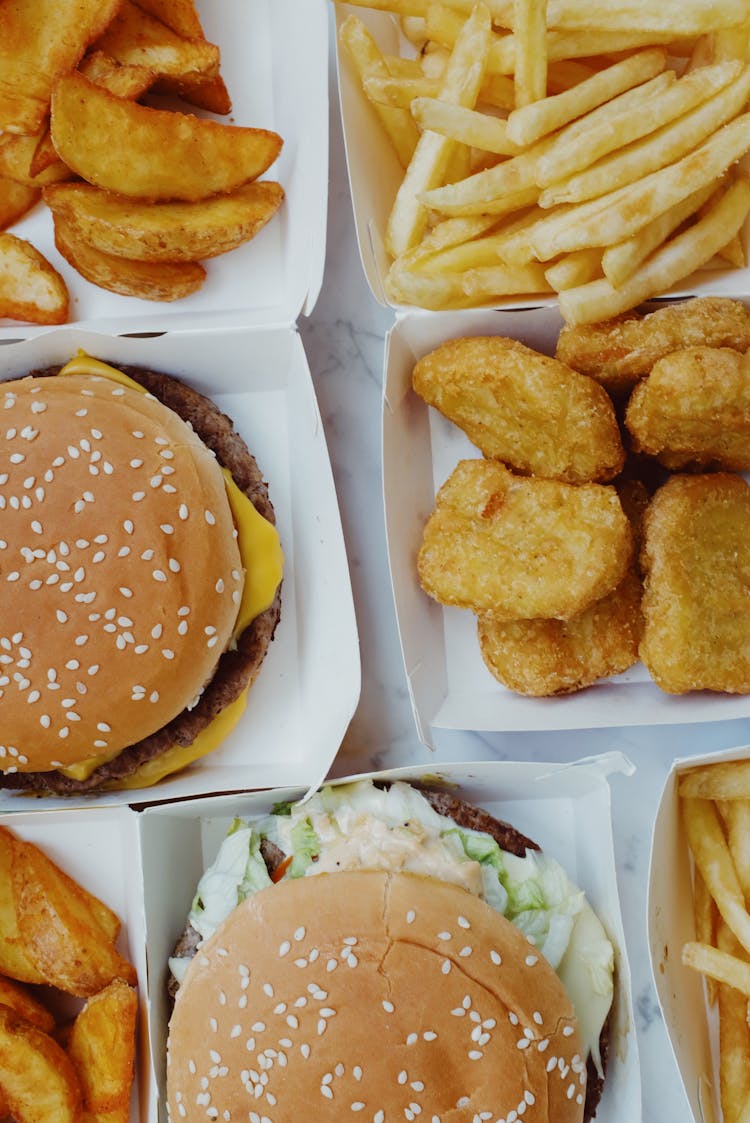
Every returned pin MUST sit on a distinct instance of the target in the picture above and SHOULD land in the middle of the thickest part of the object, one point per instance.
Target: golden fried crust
(517, 548)
(694, 409)
(543, 657)
(621, 351)
(696, 607)
(526, 409)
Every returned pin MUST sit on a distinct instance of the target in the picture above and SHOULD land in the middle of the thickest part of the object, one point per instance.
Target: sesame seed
(568, 1031)
(210, 518)
(531, 960)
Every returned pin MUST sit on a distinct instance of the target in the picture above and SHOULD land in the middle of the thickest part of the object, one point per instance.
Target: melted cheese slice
(263, 562)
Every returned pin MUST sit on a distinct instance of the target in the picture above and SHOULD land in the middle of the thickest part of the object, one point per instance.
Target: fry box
(308, 687)
(692, 1025)
(97, 848)
(274, 63)
(375, 175)
(565, 808)
(449, 684)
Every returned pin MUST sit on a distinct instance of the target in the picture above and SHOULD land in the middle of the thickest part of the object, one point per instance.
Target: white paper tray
(450, 686)
(375, 174)
(308, 687)
(690, 1023)
(565, 808)
(274, 61)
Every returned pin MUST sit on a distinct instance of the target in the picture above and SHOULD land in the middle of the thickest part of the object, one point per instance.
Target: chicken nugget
(621, 351)
(694, 409)
(526, 409)
(544, 657)
(513, 547)
(696, 603)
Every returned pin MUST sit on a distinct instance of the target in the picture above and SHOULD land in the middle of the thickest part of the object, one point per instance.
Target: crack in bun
(226, 669)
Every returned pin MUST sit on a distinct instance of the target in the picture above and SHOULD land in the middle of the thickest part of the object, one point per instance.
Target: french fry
(616, 216)
(619, 262)
(464, 125)
(529, 123)
(368, 63)
(734, 252)
(719, 965)
(574, 269)
(599, 300)
(725, 780)
(665, 146)
(734, 1041)
(705, 916)
(713, 860)
(530, 29)
(672, 17)
(591, 140)
(489, 191)
(460, 86)
(735, 814)
(401, 8)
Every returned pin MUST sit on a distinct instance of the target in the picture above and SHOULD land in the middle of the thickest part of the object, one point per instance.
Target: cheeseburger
(387, 952)
(140, 574)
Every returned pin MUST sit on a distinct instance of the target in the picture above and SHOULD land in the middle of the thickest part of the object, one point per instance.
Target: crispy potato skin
(696, 558)
(621, 351)
(518, 548)
(530, 411)
(694, 409)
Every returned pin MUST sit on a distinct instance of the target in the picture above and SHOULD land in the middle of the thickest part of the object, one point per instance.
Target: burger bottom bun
(376, 996)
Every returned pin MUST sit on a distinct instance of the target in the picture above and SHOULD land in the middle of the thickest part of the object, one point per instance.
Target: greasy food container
(692, 1025)
(308, 687)
(450, 686)
(565, 808)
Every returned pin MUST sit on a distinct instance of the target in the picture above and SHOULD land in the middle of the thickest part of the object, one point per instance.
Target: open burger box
(146, 866)
(692, 1025)
(236, 341)
(274, 63)
(449, 685)
(375, 174)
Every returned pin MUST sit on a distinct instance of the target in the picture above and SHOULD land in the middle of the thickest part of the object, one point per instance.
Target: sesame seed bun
(120, 574)
(377, 996)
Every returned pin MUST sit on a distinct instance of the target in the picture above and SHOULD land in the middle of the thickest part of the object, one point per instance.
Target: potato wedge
(148, 280)
(14, 961)
(17, 157)
(136, 38)
(165, 231)
(15, 200)
(60, 937)
(39, 41)
(101, 1045)
(37, 1078)
(181, 16)
(152, 153)
(18, 998)
(30, 289)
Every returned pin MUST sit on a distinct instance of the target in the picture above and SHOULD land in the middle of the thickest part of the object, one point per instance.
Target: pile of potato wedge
(58, 940)
(139, 194)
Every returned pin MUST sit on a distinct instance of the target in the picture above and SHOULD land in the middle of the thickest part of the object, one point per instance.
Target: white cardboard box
(450, 686)
(375, 175)
(692, 1034)
(274, 61)
(308, 687)
(565, 808)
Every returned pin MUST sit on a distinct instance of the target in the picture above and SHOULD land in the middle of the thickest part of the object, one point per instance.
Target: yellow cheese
(263, 562)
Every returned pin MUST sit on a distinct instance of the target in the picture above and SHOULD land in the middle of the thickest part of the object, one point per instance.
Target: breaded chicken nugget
(526, 409)
(694, 408)
(516, 548)
(696, 604)
(621, 351)
(544, 657)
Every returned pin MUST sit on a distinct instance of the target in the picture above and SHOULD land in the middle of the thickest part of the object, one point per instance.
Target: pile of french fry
(716, 811)
(588, 149)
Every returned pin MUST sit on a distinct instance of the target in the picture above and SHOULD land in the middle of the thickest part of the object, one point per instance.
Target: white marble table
(343, 339)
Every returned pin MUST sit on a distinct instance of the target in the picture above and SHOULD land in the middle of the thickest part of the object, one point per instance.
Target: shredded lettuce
(305, 847)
